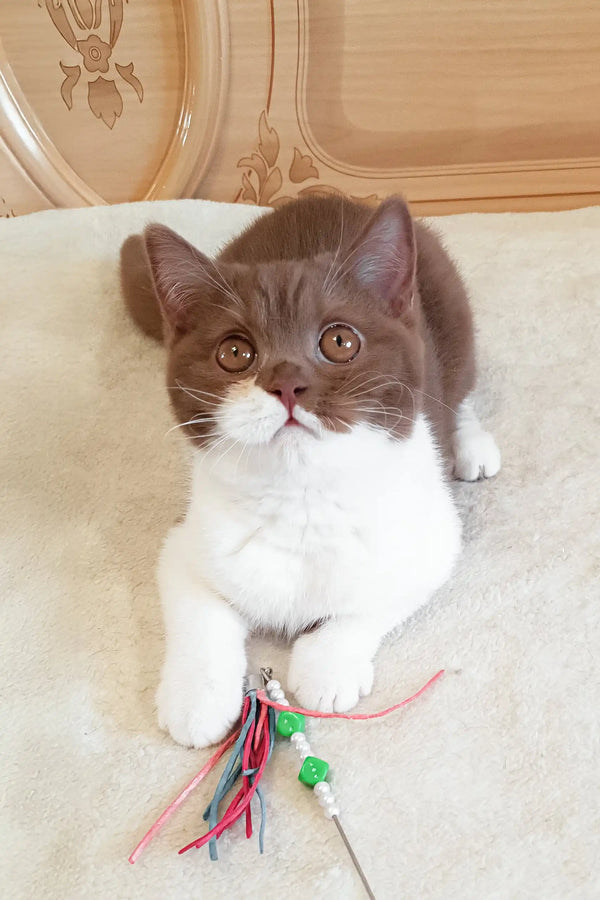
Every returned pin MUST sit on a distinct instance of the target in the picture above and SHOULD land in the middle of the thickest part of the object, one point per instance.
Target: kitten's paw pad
(331, 681)
(476, 455)
(195, 712)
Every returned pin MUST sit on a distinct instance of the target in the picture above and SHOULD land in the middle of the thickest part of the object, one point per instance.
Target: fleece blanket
(486, 787)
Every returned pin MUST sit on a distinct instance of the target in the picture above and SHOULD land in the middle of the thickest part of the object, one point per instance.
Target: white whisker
(436, 400)
(214, 445)
(245, 446)
(230, 291)
(337, 252)
(223, 286)
(195, 421)
(340, 273)
(196, 393)
(225, 452)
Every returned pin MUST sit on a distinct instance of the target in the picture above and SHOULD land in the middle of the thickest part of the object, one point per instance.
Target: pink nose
(287, 392)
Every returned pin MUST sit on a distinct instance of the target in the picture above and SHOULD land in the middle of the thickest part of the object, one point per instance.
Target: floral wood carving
(92, 28)
(6, 212)
(302, 168)
(262, 179)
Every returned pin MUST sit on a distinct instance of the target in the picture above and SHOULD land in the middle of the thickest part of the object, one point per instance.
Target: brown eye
(235, 354)
(339, 343)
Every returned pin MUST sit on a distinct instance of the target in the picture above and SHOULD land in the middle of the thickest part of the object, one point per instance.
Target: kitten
(321, 369)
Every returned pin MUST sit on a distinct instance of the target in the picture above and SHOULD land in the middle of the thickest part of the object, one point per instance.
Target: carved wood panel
(105, 100)
(458, 104)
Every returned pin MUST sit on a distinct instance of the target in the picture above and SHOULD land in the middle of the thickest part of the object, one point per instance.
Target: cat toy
(266, 712)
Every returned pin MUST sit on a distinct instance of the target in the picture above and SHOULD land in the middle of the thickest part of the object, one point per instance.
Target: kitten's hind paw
(476, 455)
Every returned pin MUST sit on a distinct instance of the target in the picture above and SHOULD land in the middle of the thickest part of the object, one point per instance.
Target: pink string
(251, 759)
(253, 733)
(174, 806)
(314, 714)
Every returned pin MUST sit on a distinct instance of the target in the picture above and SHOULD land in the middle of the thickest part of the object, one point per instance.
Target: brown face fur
(310, 264)
(283, 312)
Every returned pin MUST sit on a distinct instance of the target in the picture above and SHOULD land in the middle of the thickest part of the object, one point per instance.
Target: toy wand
(310, 765)
(253, 744)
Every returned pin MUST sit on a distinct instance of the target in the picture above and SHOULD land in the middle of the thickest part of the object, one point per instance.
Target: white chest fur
(345, 524)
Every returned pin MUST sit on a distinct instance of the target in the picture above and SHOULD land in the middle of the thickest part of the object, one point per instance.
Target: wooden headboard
(458, 104)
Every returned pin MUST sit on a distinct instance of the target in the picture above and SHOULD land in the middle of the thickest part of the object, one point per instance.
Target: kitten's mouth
(293, 424)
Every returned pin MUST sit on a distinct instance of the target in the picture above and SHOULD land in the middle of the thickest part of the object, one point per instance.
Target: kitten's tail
(138, 288)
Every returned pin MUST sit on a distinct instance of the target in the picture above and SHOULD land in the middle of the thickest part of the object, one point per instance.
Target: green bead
(289, 723)
(313, 770)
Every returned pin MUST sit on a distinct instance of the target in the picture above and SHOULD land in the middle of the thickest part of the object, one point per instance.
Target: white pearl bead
(298, 738)
(276, 694)
(305, 751)
(272, 685)
(326, 800)
(302, 745)
(284, 702)
(322, 789)
(331, 811)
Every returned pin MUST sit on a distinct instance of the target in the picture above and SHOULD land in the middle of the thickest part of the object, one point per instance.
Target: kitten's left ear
(182, 276)
(384, 257)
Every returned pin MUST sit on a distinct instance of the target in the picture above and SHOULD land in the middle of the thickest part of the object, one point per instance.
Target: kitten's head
(292, 350)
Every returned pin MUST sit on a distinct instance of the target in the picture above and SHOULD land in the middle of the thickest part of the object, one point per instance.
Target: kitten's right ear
(181, 275)
(384, 257)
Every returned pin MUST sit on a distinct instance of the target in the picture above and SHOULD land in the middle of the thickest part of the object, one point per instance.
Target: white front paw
(476, 455)
(326, 676)
(197, 710)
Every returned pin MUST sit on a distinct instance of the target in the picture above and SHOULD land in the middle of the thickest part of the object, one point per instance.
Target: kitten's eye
(339, 343)
(235, 354)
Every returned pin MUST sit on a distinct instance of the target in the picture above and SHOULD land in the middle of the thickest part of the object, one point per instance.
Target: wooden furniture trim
(206, 66)
(541, 169)
(207, 51)
(31, 149)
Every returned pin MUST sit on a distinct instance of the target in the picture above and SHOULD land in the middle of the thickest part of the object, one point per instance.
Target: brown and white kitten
(321, 368)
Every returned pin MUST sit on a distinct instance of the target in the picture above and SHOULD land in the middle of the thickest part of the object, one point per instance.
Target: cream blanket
(487, 787)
